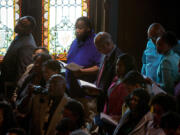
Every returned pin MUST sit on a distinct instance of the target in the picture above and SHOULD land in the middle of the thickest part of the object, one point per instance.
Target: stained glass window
(9, 14)
(59, 19)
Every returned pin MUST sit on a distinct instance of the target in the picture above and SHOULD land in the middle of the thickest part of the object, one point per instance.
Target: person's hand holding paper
(78, 73)
(90, 88)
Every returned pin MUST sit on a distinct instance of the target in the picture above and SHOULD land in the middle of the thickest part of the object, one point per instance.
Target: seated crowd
(131, 103)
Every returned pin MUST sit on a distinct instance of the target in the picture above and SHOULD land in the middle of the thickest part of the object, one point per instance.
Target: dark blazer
(18, 56)
(109, 71)
(107, 76)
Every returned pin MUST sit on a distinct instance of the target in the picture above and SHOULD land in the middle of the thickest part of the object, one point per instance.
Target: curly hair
(77, 110)
(54, 65)
(85, 20)
(167, 102)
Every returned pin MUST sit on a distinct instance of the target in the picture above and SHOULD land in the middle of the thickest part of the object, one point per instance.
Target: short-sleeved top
(167, 73)
(84, 54)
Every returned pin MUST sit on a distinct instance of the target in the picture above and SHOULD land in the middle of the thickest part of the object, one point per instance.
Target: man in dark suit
(19, 53)
(105, 45)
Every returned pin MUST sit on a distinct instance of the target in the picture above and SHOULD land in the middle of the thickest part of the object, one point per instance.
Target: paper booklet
(106, 118)
(85, 83)
(156, 90)
(71, 66)
(63, 63)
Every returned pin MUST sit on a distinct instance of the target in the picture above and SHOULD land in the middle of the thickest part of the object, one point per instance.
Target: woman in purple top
(84, 53)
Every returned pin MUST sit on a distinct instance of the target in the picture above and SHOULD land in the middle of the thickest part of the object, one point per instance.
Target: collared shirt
(84, 54)
(167, 73)
(110, 53)
(151, 59)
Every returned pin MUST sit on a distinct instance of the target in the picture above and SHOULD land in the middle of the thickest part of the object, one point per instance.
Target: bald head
(155, 30)
(103, 42)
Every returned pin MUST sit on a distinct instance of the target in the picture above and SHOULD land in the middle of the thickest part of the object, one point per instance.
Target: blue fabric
(167, 73)
(84, 54)
(151, 59)
(176, 49)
